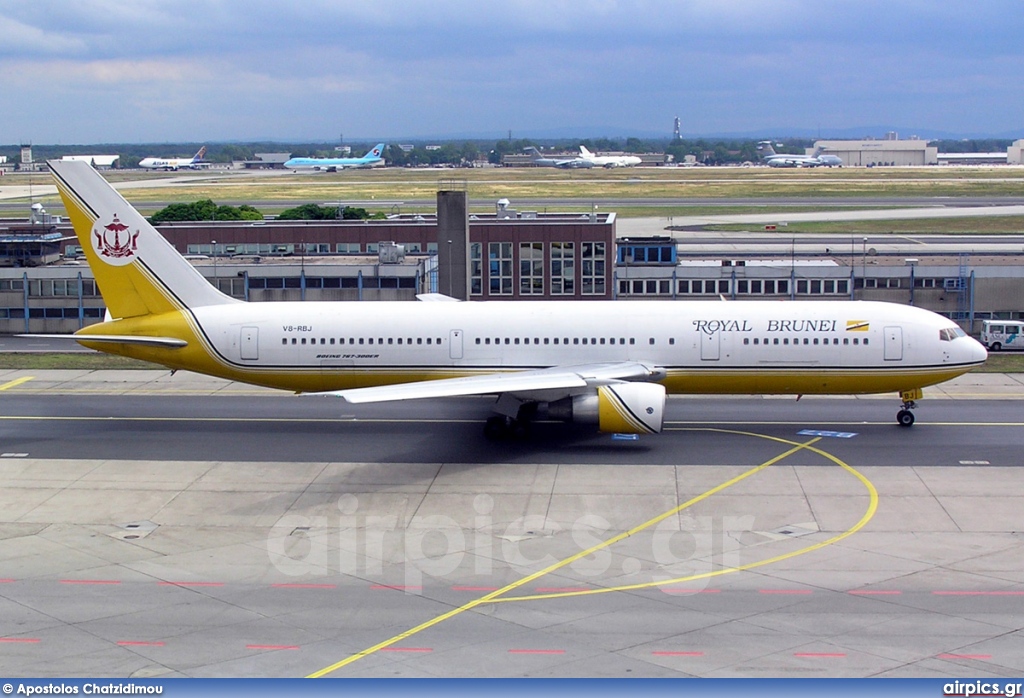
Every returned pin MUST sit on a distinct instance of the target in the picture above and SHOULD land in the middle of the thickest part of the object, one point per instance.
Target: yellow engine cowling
(619, 408)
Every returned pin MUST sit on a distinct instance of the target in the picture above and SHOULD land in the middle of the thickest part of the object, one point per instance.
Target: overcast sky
(102, 71)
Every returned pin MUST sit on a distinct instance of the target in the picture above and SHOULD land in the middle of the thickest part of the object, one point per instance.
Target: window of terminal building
(563, 268)
(592, 277)
(499, 268)
(476, 268)
(349, 248)
(531, 268)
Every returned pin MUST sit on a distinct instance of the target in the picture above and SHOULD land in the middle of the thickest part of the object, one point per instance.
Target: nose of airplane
(976, 352)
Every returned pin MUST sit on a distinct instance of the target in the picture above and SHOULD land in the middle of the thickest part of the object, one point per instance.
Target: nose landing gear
(905, 418)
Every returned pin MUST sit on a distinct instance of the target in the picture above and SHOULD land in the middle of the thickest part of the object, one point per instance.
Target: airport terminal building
(46, 286)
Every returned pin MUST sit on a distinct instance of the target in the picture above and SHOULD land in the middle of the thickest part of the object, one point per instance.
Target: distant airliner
(773, 159)
(174, 163)
(374, 156)
(608, 160)
(608, 363)
(566, 163)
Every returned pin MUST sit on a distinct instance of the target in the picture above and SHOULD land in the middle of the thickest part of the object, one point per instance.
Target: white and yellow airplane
(603, 362)
(191, 163)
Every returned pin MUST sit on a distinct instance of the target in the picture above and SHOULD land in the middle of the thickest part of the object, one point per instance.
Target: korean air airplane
(607, 363)
(174, 163)
(374, 156)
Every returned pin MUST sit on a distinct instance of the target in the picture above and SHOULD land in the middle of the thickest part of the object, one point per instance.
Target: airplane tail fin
(199, 156)
(765, 149)
(138, 272)
(585, 153)
(376, 151)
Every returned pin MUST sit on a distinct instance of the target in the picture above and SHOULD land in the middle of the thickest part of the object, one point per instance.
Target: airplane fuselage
(741, 347)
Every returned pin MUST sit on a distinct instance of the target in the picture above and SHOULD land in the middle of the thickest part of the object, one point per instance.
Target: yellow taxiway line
(496, 596)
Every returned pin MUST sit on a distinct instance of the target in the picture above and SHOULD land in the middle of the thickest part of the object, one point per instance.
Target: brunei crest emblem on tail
(115, 241)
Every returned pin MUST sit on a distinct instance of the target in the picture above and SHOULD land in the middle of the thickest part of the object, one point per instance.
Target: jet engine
(619, 408)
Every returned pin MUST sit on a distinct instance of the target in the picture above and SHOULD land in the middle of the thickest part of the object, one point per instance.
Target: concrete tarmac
(157, 525)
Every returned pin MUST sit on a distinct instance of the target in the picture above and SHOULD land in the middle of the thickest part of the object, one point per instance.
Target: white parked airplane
(610, 363)
(608, 160)
(773, 159)
(191, 163)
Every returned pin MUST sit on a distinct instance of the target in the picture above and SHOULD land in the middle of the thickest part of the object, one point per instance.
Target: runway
(157, 525)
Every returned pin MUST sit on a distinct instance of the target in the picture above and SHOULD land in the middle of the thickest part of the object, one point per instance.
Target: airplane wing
(515, 382)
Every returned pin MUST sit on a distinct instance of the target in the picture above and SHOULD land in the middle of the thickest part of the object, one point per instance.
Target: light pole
(214, 244)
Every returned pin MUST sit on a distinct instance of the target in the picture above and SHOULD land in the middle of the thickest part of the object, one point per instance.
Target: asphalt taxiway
(157, 525)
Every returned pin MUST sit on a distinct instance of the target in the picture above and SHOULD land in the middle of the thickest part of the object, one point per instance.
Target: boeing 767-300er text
(610, 363)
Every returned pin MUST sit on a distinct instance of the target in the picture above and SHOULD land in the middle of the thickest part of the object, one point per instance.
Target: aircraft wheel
(905, 418)
(496, 428)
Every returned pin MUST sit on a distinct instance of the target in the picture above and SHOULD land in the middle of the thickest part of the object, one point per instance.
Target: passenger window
(815, 341)
(294, 340)
(746, 340)
(303, 340)
(865, 341)
(856, 341)
(846, 341)
(284, 340)
(756, 341)
(775, 340)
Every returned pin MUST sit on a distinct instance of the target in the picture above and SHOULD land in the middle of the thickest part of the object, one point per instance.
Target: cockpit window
(948, 334)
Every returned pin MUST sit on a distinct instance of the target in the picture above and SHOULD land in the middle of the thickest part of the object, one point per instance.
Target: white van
(1002, 334)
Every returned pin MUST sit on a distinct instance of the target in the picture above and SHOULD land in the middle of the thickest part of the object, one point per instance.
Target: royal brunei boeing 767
(609, 363)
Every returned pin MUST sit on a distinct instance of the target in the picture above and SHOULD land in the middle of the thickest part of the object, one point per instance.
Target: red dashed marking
(26, 640)
(965, 656)
(90, 581)
(978, 593)
(6, 581)
(139, 643)
(407, 649)
(875, 592)
(785, 591)
(475, 588)
(559, 590)
(271, 647)
(304, 586)
(191, 584)
(668, 653)
(820, 655)
(536, 651)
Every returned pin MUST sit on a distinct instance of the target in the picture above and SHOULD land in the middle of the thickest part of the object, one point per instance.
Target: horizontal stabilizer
(166, 342)
(436, 298)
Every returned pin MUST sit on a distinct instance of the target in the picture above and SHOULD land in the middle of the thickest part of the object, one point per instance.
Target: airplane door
(455, 344)
(710, 345)
(249, 344)
(893, 343)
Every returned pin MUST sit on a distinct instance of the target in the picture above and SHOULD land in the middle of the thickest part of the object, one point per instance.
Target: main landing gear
(905, 418)
(501, 427)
